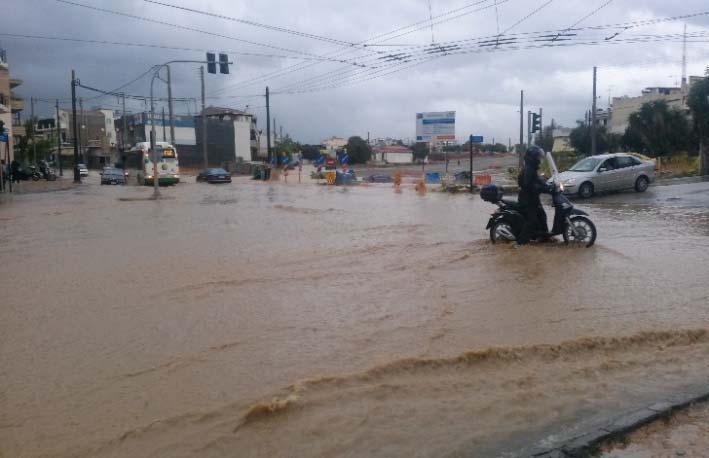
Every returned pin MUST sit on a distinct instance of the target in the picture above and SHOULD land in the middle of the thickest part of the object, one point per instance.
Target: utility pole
(77, 177)
(593, 116)
(281, 134)
(470, 140)
(169, 107)
(125, 127)
(59, 141)
(81, 137)
(164, 134)
(529, 128)
(268, 126)
(204, 121)
(153, 149)
(32, 124)
(521, 127)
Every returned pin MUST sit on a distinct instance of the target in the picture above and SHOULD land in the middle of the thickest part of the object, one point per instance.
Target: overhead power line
(405, 30)
(149, 45)
(438, 47)
(254, 23)
(403, 56)
(345, 80)
(193, 29)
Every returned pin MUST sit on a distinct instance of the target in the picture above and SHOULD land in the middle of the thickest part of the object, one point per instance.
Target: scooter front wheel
(580, 231)
(502, 232)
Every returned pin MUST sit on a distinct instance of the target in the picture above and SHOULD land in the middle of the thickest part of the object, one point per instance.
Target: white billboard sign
(436, 126)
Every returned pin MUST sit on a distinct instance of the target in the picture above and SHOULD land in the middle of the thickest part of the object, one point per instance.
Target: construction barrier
(482, 180)
(331, 177)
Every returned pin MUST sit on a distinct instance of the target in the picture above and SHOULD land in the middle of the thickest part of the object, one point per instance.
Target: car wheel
(586, 190)
(641, 184)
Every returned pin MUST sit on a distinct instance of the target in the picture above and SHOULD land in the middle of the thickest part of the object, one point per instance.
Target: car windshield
(216, 172)
(585, 165)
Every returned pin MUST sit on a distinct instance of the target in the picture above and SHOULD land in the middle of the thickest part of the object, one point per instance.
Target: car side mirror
(602, 169)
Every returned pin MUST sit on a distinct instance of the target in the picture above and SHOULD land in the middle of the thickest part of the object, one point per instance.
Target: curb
(588, 443)
(683, 180)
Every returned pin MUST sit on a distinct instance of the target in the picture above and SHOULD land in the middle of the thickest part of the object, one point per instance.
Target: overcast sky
(315, 99)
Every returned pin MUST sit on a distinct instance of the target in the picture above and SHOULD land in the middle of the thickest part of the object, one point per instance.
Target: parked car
(608, 172)
(214, 176)
(111, 175)
(83, 170)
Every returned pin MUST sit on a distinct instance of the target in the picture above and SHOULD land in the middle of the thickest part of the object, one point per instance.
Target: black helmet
(534, 155)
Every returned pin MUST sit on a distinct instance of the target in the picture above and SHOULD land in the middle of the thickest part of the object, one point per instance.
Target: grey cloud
(482, 88)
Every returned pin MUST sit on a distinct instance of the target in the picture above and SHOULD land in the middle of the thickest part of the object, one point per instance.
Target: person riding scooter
(531, 186)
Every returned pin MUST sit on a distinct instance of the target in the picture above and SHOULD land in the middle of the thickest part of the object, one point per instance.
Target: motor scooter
(505, 224)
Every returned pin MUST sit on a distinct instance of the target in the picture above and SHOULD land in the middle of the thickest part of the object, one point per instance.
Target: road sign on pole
(476, 139)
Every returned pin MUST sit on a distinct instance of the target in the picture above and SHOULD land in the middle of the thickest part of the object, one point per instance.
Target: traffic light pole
(77, 177)
(268, 126)
(593, 116)
(529, 128)
(169, 107)
(541, 124)
(59, 141)
(521, 127)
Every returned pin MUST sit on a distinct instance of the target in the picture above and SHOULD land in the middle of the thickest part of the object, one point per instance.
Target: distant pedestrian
(5, 175)
(15, 169)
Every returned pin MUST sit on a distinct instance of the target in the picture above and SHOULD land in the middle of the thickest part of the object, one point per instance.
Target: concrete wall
(399, 158)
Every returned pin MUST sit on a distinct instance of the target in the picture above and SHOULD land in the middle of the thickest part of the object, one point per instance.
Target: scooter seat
(510, 203)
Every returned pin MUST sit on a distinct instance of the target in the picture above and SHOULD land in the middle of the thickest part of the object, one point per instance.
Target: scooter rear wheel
(581, 231)
(502, 232)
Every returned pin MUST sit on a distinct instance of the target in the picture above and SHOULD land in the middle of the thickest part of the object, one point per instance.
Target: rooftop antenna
(684, 58)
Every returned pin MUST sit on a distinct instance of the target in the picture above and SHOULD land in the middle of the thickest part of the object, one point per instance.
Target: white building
(333, 144)
(393, 155)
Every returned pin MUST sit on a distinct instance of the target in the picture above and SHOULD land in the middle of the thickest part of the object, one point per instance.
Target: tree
(358, 150)
(658, 130)
(698, 102)
(311, 152)
(580, 139)
(420, 150)
(545, 138)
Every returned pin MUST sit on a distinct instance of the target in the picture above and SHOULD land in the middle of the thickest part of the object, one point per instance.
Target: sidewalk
(30, 187)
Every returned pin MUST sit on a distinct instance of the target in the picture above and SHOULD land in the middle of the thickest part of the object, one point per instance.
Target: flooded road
(296, 320)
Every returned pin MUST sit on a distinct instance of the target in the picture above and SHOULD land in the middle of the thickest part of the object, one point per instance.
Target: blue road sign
(476, 139)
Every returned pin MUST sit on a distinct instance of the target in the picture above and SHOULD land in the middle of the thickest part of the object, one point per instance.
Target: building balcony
(17, 104)
(14, 82)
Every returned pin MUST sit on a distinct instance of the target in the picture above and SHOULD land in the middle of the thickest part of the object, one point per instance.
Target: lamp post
(156, 183)
(156, 187)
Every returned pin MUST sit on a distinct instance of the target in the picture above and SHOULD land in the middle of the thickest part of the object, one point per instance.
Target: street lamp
(153, 150)
(223, 68)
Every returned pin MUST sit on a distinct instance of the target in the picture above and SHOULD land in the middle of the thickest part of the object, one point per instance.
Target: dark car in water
(214, 176)
(111, 175)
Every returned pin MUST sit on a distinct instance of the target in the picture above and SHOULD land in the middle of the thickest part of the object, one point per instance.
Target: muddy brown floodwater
(300, 320)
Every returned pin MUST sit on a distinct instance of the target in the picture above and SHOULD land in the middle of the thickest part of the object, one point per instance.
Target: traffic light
(211, 63)
(536, 122)
(224, 64)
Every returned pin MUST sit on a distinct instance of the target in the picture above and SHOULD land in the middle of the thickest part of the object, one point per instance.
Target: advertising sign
(435, 126)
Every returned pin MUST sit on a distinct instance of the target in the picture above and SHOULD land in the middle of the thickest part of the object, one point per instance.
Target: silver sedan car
(608, 172)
